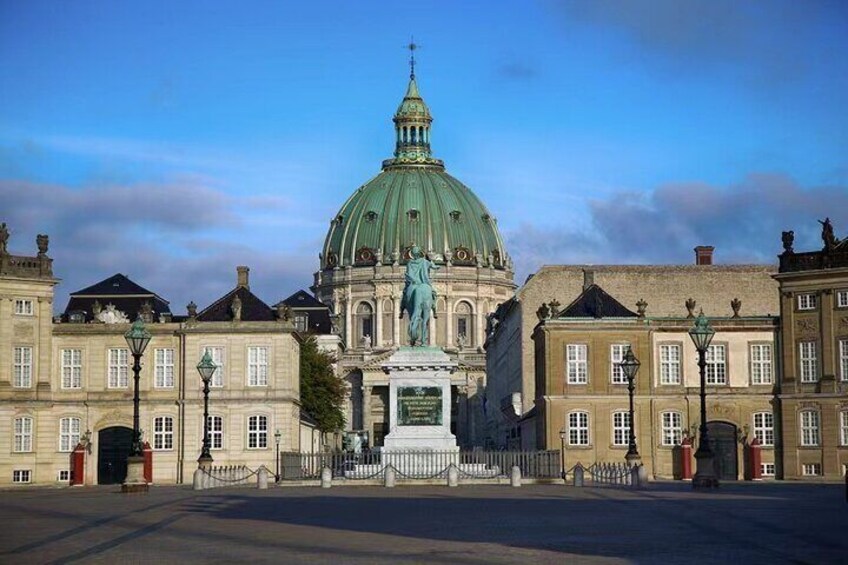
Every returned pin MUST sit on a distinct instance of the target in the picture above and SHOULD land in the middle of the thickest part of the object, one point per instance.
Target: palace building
(412, 201)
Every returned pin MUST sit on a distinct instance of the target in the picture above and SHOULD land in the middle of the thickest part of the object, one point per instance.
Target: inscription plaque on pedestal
(419, 406)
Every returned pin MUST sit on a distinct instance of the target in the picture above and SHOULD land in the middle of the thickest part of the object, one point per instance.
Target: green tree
(321, 391)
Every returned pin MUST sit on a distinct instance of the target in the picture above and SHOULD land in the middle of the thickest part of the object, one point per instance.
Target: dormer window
(413, 215)
(486, 217)
(456, 215)
(76, 318)
(371, 216)
(339, 220)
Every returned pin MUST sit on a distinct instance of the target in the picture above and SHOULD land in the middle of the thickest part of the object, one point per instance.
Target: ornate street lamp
(278, 435)
(137, 339)
(702, 334)
(630, 366)
(206, 368)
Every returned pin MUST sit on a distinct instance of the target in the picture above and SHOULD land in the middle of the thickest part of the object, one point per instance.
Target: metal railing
(414, 464)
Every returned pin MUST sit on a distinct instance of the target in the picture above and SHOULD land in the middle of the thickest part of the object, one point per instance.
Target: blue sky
(173, 141)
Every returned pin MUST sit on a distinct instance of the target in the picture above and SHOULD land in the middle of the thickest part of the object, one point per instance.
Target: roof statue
(4, 238)
(418, 298)
(828, 238)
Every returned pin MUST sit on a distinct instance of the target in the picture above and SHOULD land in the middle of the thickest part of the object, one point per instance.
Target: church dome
(413, 201)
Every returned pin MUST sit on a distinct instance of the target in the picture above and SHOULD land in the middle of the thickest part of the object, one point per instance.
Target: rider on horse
(418, 298)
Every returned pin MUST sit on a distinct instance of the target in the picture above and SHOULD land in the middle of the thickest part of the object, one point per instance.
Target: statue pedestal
(419, 401)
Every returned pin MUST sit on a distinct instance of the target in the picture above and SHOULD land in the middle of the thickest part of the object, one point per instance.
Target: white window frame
(762, 363)
(671, 428)
(215, 427)
(164, 367)
(767, 469)
(810, 428)
(69, 433)
(842, 299)
(71, 368)
(118, 367)
(257, 365)
(24, 307)
(764, 428)
(670, 373)
(218, 354)
(843, 428)
(617, 353)
(301, 322)
(811, 469)
(621, 428)
(163, 433)
(578, 429)
(22, 366)
(843, 359)
(808, 360)
(577, 363)
(257, 431)
(23, 432)
(807, 301)
(716, 370)
(22, 476)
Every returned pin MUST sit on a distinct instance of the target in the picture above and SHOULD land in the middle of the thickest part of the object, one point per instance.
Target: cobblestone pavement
(667, 523)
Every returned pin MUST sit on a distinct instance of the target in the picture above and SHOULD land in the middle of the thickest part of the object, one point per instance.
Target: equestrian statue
(418, 298)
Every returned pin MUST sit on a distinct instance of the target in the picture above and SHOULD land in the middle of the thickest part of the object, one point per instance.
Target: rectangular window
(843, 359)
(462, 327)
(843, 428)
(672, 428)
(764, 428)
(257, 366)
(621, 428)
(118, 368)
(217, 354)
(670, 364)
(810, 428)
(301, 322)
(23, 434)
(163, 433)
(578, 366)
(164, 368)
(716, 365)
(617, 353)
(63, 475)
(21, 476)
(22, 368)
(761, 364)
(811, 469)
(69, 433)
(842, 299)
(257, 432)
(578, 428)
(806, 302)
(24, 307)
(767, 469)
(215, 425)
(809, 362)
(71, 368)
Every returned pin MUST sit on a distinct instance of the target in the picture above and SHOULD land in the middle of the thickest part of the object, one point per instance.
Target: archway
(113, 448)
(723, 443)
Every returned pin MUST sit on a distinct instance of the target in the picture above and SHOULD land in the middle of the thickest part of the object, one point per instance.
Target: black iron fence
(420, 464)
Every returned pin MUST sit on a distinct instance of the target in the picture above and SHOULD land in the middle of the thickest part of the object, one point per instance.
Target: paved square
(668, 523)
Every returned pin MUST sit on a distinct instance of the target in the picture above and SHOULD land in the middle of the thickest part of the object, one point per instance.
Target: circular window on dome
(332, 259)
(365, 256)
(413, 214)
(462, 256)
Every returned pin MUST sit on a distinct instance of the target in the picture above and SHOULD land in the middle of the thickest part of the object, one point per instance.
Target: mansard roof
(116, 285)
(119, 291)
(594, 302)
(252, 308)
(302, 299)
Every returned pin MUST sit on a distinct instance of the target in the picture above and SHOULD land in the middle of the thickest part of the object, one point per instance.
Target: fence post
(197, 482)
(634, 477)
(326, 477)
(453, 476)
(262, 478)
(389, 477)
(515, 476)
(578, 475)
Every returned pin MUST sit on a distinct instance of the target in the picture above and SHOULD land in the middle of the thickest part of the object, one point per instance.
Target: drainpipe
(181, 409)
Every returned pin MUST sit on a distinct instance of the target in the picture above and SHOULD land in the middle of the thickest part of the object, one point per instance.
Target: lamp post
(702, 334)
(562, 434)
(278, 435)
(630, 366)
(137, 339)
(206, 368)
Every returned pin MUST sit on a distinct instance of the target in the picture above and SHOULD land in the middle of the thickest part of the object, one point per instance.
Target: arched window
(463, 326)
(578, 428)
(364, 324)
(413, 132)
(421, 134)
(405, 135)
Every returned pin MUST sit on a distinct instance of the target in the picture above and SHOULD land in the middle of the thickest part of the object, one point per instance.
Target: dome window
(413, 214)
(365, 256)
(339, 220)
(371, 216)
(486, 217)
(332, 260)
(456, 215)
(461, 255)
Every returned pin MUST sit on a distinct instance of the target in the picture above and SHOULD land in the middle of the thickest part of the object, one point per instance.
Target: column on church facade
(449, 315)
(478, 324)
(396, 321)
(348, 322)
(378, 323)
(367, 424)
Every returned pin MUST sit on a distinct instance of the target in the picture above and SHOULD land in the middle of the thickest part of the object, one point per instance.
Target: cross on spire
(412, 47)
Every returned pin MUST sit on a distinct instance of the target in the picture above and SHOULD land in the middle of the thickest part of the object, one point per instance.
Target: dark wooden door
(723, 443)
(114, 446)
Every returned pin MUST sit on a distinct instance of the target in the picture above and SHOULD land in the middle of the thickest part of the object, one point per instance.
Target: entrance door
(114, 445)
(723, 443)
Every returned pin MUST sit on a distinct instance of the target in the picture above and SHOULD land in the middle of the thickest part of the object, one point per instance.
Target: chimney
(704, 255)
(243, 278)
(588, 278)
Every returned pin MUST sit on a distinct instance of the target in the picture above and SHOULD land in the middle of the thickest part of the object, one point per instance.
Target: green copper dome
(413, 201)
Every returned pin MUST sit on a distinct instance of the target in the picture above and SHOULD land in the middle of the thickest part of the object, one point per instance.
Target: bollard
(389, 478)
(262, 478)
(515, 476)
(197, 483)
(453, 476)
(634, 477)
(643, 476)
(578, 475)
(326, 477)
